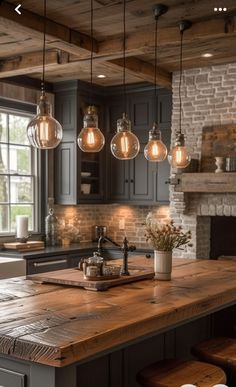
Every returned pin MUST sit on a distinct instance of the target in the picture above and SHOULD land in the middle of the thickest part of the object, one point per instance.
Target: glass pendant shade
(90, 139)
(43, 131)
(124, 145)
(155, 150)
(178, 156)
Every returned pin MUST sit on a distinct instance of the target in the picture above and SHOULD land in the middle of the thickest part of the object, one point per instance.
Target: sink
(12, 267)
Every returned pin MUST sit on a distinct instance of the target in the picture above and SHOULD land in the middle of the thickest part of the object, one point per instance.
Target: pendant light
(155, 150)
(90, 138)
(44, 131)
(178, 156)
(124, 145)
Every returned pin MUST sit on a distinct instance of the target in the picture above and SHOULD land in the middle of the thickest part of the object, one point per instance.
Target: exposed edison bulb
(124, 145)
(43, 131)
(178, 156)
(155, 150)
(90, 139)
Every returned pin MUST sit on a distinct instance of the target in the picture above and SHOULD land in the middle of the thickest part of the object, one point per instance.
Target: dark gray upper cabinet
(139, 181)
(78, 175)
(95, 177)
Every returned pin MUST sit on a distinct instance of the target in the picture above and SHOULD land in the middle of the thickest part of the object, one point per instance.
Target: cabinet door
(65, 173)
(66, 110)
(163, 170)
(118, 170)
(10, 378)
(142, 174)
(41, 265)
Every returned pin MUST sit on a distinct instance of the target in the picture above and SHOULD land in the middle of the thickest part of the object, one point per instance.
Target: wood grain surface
(56, 325)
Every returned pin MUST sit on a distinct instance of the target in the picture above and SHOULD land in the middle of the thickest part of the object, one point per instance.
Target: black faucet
(125, 248)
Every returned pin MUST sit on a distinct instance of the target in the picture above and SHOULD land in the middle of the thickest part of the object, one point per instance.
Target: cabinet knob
(148, 255)
(126, 180)
(132, 180)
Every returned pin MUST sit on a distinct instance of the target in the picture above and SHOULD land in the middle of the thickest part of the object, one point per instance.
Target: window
(18, 171)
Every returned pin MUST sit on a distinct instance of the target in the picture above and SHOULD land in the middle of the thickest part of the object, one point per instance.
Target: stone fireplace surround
(208, 99)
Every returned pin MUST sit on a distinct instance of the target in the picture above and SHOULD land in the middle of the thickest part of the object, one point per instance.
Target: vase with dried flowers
(164, 237)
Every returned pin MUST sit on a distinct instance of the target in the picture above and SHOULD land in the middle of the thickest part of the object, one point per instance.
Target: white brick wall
(208, 98)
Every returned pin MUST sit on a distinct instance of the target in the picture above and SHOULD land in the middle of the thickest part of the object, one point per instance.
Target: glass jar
(51, 223)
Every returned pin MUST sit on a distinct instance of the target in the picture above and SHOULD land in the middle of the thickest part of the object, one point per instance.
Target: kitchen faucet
(125, 248)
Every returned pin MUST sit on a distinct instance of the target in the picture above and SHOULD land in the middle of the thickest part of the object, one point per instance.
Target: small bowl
(85, 174)
(85, 189)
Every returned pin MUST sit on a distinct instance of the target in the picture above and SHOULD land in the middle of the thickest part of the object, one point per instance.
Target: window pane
(3, 159)
(4, 218)
(3, 127)
(21, 189)
(4, 189)
(20, 161)
(17, 129)
(21, 210)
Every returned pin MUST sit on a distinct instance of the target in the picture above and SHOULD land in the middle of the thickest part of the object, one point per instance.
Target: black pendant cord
(180, 80)
(44, 47)
(91, 56)
(124, 58)
(155, 71)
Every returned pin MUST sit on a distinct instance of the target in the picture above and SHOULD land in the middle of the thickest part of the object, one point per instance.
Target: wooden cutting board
(22, 247)
(75, 277)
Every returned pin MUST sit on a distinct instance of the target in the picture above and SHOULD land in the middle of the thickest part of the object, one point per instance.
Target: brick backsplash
(79, 221)
(208, 99)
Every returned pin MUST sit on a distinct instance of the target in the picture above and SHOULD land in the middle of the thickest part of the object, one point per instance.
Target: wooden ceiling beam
(31, 63)
(143, 70)
(57, 35)
(141, 41)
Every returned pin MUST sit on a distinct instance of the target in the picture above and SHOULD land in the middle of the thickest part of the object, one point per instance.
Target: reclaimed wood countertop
(57, 325)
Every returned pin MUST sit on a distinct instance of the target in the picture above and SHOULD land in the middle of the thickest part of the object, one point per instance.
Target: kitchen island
(55, 336)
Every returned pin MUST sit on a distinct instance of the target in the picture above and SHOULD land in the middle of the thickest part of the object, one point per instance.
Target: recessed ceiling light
(207, 55)
(101, 76)
(220, 9)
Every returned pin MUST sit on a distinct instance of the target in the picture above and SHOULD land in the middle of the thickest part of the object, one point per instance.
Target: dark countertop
(73, 248)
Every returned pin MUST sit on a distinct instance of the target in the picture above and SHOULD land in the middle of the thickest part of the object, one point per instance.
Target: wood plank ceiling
(69, 43)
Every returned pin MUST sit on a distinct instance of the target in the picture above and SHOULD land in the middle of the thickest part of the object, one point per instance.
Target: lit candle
(22, 226)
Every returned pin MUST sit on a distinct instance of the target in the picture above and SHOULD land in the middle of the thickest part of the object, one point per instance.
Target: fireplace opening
(223, 236)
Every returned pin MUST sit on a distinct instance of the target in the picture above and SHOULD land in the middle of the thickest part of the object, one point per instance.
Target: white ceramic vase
(162, 265)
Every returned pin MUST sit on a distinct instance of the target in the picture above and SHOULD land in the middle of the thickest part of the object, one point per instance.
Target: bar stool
(220, 351)
(174, 373)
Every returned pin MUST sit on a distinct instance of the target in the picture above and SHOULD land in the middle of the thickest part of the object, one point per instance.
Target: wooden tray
(74, 277)
(22, 247)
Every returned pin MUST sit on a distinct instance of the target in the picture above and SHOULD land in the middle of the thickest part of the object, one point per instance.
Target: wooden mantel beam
(144, 70)
(31, 63)
(58, 35)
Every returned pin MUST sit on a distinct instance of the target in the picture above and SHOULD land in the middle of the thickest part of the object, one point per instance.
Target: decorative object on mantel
(44, 131)
(90, 138)
(124, 145)
(178, 156)
(220, 162)
(155, 149)
(230, 164)
(164, 237)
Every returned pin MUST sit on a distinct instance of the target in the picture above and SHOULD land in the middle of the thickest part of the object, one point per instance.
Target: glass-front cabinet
(78, 174)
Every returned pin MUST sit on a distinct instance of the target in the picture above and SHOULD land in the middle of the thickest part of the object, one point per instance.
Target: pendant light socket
(159, 9)
(184, 25)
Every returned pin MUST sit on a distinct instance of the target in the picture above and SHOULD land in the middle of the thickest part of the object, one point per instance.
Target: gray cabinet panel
(141, 181)
(66, 111)
(66, 173)
(11, 378)
(42, 265)
(164, 108)
(163, 171)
